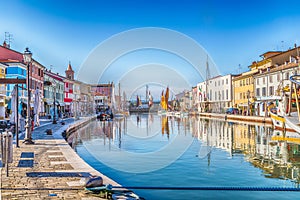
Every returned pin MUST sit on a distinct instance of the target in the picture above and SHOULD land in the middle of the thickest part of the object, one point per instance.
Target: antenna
(239, 69)
(8, 38)
(207, 69)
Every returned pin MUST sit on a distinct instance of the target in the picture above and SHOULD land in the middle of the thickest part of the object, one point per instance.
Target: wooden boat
(139, 109)
(280, 123)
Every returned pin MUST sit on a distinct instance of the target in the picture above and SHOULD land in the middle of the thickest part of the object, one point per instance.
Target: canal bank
(48, 169)
(243, 118)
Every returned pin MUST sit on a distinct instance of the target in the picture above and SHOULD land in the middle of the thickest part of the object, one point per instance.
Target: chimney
(5, 45)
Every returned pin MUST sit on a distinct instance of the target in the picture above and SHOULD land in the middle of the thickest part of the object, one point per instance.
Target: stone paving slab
(53, 171)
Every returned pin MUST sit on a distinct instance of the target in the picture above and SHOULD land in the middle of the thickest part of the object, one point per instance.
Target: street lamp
(248, 96)
(27, 59)
(54, 92)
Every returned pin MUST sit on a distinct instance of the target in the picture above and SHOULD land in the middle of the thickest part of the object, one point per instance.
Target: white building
(218, 94)
(269, 83)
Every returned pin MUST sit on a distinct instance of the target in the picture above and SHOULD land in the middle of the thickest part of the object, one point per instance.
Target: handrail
(293, 80)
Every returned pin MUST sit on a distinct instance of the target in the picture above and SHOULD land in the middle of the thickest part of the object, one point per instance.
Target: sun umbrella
(13, 106)
(37, 106)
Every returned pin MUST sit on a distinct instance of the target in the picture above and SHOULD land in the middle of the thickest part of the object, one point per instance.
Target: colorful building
(55, 88)
(68, 90)
(2, 92)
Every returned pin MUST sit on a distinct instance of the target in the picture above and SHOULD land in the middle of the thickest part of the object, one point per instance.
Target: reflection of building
(213, 133)
(244, 138)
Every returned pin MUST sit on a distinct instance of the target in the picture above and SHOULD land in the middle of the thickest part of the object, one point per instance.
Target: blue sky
(232, 32)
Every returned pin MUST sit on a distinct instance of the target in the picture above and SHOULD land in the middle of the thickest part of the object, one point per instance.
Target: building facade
(55, 89)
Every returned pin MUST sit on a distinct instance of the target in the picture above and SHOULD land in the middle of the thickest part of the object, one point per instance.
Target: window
(244, 82)
(227, 94)
(264, 80)
(215, 95)
(257, 81)
(219, 83)
(240, 82)
(287, 76)
(278, 77)
(263, 91)
(222, 82)
(271, 78)
(226, 81)
(223, 95)
(241, 95)
(247, 81)
(215, 83)
(271, 90)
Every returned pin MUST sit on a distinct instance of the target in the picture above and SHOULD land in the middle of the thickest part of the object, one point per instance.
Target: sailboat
(119, 111)
(140, 107)
(164, 102)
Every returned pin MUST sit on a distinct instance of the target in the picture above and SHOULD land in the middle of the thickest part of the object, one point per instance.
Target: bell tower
(69, 72)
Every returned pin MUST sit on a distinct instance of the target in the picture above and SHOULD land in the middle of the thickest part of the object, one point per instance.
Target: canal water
(156, 151)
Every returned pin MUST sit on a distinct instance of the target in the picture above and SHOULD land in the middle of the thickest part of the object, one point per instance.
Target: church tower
(69, 72)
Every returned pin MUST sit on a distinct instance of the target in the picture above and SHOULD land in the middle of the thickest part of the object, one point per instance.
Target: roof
(269, 54)
(69, 67)
(53, 75)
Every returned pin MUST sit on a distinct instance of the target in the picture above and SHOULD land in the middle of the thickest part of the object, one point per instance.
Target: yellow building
(2, 92)
(243, 91)
(243, 84)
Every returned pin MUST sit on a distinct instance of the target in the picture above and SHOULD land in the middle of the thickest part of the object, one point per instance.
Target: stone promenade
(48, 169)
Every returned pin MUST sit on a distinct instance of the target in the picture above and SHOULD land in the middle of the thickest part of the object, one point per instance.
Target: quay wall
(226, 117)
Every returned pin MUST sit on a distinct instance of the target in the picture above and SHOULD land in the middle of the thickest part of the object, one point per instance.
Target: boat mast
(206, 81)
(119, 99)
(147, 93)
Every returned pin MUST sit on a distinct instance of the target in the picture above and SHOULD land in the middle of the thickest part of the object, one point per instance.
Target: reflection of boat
(104, 113)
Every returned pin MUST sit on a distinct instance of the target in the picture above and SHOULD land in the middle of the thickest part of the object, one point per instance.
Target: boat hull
(279, 123)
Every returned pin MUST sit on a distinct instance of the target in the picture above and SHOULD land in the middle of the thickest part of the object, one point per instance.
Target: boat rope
(231, 188)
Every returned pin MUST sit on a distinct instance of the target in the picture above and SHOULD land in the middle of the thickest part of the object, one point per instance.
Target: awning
(243, 104)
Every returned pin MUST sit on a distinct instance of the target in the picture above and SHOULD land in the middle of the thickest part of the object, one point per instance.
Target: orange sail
(166, 99)
(162, 100)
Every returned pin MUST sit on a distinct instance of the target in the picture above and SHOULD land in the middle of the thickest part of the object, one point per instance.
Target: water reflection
(275, 153)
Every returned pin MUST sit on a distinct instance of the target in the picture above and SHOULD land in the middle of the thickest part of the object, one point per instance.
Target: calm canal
(151, 150)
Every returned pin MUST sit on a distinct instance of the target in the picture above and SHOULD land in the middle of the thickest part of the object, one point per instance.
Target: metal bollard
(7, 156)
(1, 148)
(7, 147)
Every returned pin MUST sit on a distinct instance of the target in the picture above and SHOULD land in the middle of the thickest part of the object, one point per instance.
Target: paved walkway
(49, 169)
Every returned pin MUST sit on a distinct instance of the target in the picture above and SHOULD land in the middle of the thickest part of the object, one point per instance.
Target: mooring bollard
(49, 131)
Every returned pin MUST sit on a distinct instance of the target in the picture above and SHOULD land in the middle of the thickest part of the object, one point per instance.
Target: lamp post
(248, 96)
(54, 95)
(27, 59)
